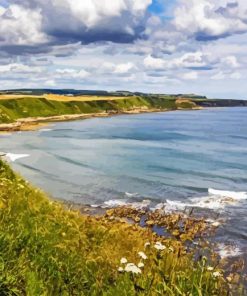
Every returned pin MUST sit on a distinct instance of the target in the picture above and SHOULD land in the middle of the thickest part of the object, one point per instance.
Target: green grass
(13, 109)
(46, 249)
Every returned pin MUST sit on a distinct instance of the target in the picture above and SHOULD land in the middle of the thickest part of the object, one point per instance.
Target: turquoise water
(174, 156)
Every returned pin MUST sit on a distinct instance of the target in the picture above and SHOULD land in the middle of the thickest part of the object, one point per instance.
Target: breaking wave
(215, 200)
(13, 157)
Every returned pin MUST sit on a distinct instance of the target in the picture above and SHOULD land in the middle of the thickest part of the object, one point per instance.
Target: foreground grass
(48, 250)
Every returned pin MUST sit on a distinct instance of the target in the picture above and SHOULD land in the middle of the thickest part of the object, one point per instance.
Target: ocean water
(179, 159)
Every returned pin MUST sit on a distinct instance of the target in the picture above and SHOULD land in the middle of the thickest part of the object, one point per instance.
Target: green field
(13, 109)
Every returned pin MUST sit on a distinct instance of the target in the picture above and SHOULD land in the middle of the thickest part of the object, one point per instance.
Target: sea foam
(229, 194)
(226, 251)
(13, 157)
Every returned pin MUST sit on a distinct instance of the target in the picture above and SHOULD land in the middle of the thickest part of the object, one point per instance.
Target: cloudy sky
(160, 46)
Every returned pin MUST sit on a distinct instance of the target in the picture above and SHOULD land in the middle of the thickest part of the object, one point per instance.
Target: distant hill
(75, 92)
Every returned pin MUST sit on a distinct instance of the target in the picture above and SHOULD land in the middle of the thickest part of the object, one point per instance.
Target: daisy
(159, 246)
(142, 255)
(131, 267)
(123, 261)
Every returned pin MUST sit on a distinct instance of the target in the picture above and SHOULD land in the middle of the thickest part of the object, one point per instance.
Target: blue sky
(160, 46)
(157, 7)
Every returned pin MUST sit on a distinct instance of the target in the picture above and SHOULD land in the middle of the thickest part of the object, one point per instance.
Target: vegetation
(46, 249)
(13, 109)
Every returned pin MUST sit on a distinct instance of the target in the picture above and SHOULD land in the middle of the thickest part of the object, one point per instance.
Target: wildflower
(142, 255)
(63, 234)
(140, 264)
(120, 269)
(123, 261)
(147, 244)
(131, 267)
(171, 249)
(216, 274)
(159, 246)
(210, 268)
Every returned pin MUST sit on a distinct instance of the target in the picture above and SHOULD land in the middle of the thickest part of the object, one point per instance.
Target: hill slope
(48, 250)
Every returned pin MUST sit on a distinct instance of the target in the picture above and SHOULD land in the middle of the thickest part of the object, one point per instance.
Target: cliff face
(14, 111)
(221, 103)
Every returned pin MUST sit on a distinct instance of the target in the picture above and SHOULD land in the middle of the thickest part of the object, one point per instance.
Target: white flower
(216, 274)
(159, 246)
(142, 255)
(140, 264)
(171, 249)
(210, 268)
(147, 244)
(120, 269)
(123, 261)
(131, 267)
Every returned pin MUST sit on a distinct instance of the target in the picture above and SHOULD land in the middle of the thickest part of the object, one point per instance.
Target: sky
(159, 46)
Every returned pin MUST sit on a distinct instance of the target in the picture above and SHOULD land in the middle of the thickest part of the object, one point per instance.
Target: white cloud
(21, 26)
(51, 83)
(72, 73)
(18, 68)
(236, 75)
(231, 61)
(187, 60)
(92, 12)
(2, 10)
(190, 76)
(154, 63)
(69, 43)
(211, 19)
(218, 76)
(123, 68)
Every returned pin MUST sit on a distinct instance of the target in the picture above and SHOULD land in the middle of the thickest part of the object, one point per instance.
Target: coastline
(35, 123)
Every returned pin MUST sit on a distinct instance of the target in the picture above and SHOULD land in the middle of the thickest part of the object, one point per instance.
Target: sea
(178, 160)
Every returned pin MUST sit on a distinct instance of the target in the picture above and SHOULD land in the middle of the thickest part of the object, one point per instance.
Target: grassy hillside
(12, 109)
(48, 250)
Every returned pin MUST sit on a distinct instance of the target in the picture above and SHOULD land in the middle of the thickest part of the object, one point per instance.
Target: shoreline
(35, 123)
(104, 247)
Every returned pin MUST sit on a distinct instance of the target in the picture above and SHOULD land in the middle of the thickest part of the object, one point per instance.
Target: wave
(215, 200)
(226, 251)
(13, 157)
(128, 194)
(123, 202)
(45, 130)
(229, 194)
